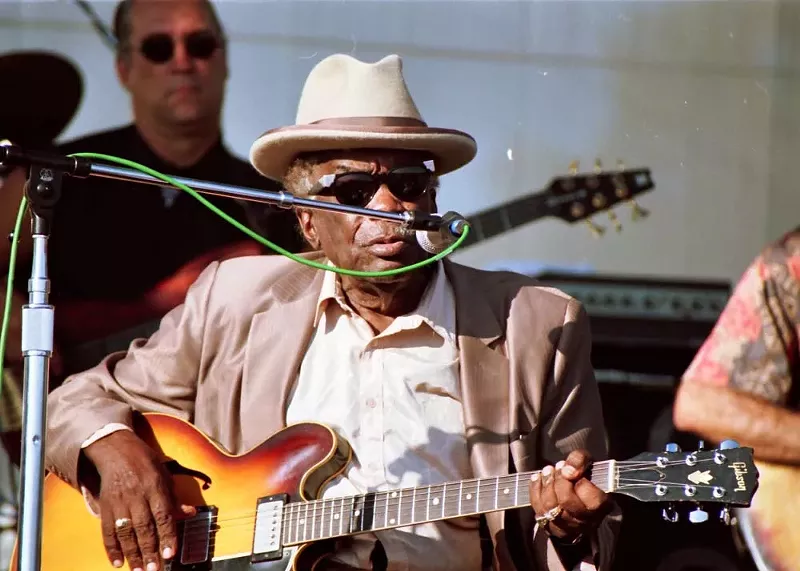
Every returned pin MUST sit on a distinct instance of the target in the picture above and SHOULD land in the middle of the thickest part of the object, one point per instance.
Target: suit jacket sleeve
(571, 418)
(158, 374)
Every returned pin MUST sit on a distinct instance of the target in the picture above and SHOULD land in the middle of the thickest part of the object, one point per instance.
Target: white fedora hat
(349, 104)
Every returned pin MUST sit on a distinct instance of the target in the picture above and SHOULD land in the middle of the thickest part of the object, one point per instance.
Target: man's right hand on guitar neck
(135, 501)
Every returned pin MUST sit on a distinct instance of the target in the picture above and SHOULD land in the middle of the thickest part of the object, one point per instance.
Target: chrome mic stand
(43, 190)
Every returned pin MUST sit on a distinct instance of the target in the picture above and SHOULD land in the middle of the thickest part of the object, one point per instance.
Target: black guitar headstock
(578, 196)
(724, 477)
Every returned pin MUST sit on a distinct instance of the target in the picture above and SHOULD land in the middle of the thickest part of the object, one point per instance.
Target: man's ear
(305, 220)
(123, 67)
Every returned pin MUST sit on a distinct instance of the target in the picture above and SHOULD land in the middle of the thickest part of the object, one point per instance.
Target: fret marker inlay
(436, 501)
(469, 496)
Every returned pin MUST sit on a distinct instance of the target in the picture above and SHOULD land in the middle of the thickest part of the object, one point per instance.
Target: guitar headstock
(578, 196)
(724, 477)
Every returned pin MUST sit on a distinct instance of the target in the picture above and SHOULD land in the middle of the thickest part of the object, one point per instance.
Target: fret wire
(483, 492)
(399, 506)
(305, 525)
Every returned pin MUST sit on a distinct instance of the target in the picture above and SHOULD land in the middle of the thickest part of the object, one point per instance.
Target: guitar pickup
(197, 533)
(267, 535)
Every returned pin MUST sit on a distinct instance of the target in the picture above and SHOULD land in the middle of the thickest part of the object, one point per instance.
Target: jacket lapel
(484, 388)
(484, 373)
(275, 347)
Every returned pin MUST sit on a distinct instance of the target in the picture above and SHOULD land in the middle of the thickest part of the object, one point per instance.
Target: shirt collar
(435, 307)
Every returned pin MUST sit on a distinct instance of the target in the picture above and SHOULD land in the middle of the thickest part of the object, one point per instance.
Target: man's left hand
(565, 492)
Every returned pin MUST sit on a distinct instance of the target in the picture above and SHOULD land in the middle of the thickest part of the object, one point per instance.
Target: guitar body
(298, 460)
(767, 525)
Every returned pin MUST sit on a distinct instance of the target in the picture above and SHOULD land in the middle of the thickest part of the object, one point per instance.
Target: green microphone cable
(146, 170)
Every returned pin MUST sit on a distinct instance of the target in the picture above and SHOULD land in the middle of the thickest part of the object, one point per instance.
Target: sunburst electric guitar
(260, 510)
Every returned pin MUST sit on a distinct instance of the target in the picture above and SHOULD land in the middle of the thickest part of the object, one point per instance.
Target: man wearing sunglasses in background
(440, 374)
(122, 254)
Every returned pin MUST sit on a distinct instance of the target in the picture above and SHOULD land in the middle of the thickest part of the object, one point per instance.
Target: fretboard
(335, 517)
(505, 217)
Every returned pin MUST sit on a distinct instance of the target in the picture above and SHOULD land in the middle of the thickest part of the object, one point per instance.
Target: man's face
(367, 244)
(189, 85)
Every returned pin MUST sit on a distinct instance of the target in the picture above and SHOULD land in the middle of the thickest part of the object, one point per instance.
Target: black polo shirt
(114, 240)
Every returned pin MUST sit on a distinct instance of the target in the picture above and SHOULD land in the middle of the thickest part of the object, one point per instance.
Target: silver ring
(548, 516)
(122, 522)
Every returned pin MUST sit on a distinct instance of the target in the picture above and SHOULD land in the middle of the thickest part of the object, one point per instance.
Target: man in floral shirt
(744, 383)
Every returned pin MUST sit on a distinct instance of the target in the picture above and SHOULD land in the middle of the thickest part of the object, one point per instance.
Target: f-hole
(176, 469)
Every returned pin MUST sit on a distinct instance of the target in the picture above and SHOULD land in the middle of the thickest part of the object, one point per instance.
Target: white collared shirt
(396, 398)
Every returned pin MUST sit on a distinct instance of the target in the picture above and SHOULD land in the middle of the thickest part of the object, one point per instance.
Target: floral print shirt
(754, 344)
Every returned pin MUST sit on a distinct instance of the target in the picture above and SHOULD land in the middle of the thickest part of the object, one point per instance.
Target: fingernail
(167, 553)
(569, 471)
(547, 471)
(138, 569)
(534, 476)
(560, 464)
(117, 563)
(152, 566)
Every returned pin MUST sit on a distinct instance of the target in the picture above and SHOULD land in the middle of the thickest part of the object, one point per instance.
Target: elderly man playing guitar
(440, 374)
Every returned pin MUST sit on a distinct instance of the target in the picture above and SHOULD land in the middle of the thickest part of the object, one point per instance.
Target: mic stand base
(43, 191)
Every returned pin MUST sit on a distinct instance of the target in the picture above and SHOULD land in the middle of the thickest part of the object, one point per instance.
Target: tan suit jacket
(227, 358)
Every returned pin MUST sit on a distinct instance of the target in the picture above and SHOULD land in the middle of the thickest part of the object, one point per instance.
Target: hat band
(371, 122)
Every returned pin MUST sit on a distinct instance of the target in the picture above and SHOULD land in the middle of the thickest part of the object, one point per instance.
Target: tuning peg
(698, 516)
(620, 164)
(573, 167)
(597, 231)
(669, 514)
(672, 447)
(614, 221)
(728, 444)
(725, 515)
(701, 445)
(598, 166)
(637, 211)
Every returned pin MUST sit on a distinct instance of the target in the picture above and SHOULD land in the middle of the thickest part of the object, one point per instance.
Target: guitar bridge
(267, 540)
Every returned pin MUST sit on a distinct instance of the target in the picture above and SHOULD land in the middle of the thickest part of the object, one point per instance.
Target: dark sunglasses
(358, 188)
(159, 48)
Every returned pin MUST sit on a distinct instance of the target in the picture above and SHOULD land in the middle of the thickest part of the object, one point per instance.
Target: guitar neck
(499, 219)
(337, 517)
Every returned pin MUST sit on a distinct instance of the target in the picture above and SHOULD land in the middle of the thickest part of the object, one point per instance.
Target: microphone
(450, 227)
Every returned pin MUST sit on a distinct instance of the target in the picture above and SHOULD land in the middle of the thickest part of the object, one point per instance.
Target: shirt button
(371, 403)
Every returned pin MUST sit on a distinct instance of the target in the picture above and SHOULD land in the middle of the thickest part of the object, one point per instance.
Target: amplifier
(644, 330)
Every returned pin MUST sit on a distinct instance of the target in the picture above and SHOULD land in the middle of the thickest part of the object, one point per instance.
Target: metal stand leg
(43, 191)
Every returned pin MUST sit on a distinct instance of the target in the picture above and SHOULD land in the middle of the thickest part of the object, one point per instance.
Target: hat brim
(273, 153)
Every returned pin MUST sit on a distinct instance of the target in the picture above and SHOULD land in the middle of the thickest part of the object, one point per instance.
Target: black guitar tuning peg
(672, 447)
(670, 514)
(698, 515)
(725, 515)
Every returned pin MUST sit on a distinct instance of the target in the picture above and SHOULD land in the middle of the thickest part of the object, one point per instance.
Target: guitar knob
(698, 516)
(728, 444)
(725, 515)
(672, 447)
(669, 514)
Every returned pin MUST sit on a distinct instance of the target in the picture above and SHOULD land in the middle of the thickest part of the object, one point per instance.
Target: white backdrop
(688, 89)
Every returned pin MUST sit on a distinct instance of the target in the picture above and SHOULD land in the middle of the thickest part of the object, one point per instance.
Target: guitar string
(347, 527)
(384, 504)
(468, 486)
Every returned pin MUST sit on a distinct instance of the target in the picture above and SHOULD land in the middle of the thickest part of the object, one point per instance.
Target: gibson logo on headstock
(739, 470)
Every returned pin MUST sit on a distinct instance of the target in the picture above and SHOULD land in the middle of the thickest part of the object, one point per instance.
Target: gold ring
(548, 516)
(122, 522)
